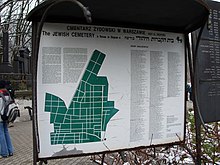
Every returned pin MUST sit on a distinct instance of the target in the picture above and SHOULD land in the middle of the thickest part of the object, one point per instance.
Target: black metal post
(198, 137)
(192, 65)
(103, 158)
(34, 95)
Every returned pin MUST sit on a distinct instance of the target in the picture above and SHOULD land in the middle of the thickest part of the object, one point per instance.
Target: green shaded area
(89, 111)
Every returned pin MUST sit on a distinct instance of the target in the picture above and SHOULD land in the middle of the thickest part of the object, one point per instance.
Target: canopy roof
(182, 16)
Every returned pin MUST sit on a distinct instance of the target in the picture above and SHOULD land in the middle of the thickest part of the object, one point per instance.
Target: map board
(208, 66)
(108, 88)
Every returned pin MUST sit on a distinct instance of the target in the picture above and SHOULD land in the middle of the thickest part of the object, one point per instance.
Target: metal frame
(36, 31)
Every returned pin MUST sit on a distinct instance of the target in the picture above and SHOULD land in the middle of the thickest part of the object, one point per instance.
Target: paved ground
(21, 135)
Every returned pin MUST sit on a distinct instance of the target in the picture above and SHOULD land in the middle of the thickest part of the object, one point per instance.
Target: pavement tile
(21, 136)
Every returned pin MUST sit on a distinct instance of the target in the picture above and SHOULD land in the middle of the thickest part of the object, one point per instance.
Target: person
(5, 140)
(189, 92)
(10, 89)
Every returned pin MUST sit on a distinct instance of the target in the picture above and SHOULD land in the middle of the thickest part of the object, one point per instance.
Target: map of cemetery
(89, 111)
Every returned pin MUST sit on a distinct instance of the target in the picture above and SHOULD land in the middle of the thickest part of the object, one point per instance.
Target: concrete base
(6, 67)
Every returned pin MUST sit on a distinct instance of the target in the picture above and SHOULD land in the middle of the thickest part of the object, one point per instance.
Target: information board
(108, 88)
(208, 67)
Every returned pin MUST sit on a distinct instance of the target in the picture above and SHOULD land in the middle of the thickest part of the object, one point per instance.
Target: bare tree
(13, 14)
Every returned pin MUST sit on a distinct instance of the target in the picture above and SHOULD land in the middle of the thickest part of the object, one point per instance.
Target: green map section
(89, 111)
